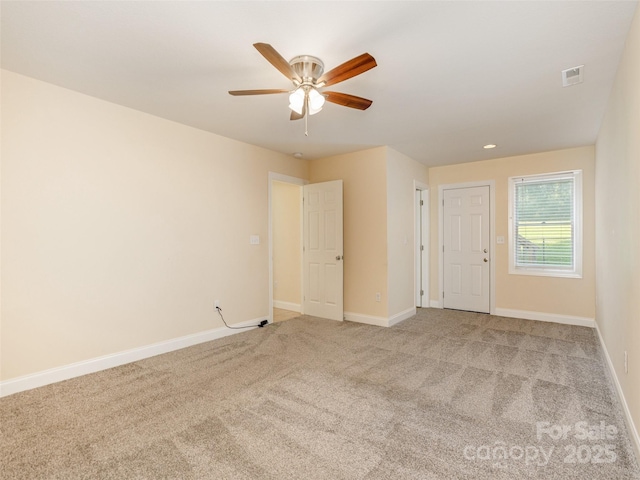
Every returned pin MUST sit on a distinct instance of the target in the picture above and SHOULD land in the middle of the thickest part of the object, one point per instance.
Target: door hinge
(442, 294)
(421, 293)
(421, 248)
(443, 248)
(421, 203)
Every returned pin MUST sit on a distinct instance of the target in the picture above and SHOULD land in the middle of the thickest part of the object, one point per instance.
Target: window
(545, 224)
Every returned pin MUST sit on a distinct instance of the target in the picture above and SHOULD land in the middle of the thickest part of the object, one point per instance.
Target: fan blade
(275, 59)
(257, 92)
(349, 69)
(347, 100)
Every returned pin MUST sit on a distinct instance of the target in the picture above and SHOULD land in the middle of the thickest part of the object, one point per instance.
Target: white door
(322, 250)
(466, 249)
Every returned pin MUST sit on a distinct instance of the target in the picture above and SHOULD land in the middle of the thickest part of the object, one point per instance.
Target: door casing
(277, 177)
(422, 252)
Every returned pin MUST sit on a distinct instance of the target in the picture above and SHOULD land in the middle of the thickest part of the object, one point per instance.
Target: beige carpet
(443, 395)
(282, 315)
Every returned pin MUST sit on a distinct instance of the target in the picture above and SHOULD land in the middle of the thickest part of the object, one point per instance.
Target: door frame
(421, 266)
(278, 177)
(492, 235)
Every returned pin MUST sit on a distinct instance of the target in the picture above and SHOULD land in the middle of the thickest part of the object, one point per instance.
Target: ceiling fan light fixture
(316, 101)
(296, 100)
(308, 77)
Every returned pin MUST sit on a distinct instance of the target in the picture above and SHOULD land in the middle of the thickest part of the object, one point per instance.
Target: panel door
(323, 250)
(466, 249)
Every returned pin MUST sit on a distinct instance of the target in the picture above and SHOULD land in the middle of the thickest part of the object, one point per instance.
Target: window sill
(540, 272)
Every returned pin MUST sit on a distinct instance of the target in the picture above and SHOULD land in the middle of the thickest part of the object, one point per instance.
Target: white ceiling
(451, 76)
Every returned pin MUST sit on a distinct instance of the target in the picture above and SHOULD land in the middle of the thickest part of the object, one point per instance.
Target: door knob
(339, 257)
(486, 260)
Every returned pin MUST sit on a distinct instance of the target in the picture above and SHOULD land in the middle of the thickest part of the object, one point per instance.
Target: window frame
(551, 270)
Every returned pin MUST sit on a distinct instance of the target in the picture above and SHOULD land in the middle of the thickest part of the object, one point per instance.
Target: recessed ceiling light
(490, 145)
(298, 154)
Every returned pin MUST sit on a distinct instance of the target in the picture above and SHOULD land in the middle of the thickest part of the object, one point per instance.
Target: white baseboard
(380, 321)
(368, 319)
(294, 307)
(546, 317)
(633, 431)
(399, 317)
(77, 369)
(529, 315)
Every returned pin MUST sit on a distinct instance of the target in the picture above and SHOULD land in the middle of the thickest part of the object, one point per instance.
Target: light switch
(254, 240)
(500, 240)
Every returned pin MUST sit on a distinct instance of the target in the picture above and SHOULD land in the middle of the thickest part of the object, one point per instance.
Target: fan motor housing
(309, 68)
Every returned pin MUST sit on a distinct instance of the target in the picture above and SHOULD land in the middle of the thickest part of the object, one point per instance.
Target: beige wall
(119, 229)
(365, 225)
(286, 227)
(618, 222)
(378, 227)
(402, 173)
(550, 295)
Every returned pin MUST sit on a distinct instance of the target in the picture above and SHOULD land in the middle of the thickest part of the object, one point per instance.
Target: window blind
(544, 221)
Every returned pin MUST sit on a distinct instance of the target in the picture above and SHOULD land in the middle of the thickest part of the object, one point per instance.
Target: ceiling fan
(308, 77)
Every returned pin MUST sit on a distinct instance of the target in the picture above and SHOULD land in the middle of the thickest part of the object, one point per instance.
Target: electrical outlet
(378, 297)
(217, 303)
(626, 362)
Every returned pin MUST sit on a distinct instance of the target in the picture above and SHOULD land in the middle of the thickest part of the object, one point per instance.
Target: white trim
(279, 177)
(550, 271)
(426, 241)
(77, 369)
(492, 233)
(417, 237)
(421, 216)
(544, 272)
(401, 316)
(633, 431)
(546, 317)
(293, 307)
(380, 321)
(435, 304)
(368, 319)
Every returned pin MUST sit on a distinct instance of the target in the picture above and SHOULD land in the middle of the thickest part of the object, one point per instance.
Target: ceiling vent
(572, 76)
